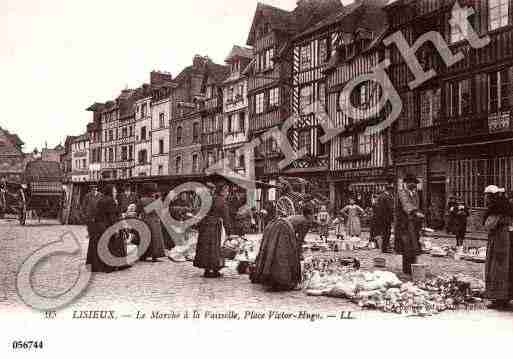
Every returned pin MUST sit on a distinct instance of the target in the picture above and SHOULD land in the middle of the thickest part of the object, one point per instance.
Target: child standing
(323, 219)
(340, 228)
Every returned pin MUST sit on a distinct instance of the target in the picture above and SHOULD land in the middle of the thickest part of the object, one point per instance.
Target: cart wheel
(285, 207)
(23, 215)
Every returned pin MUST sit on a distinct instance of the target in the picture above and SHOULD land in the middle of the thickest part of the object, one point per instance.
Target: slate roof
(239, 51)
(43, 171)
(277, 18)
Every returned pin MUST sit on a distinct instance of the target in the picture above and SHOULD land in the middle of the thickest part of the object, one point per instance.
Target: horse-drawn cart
(43, 193)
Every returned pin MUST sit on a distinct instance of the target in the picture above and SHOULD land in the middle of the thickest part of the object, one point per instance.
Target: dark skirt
(208, 249)
(499, 265)
(117, 248)
(278, 263)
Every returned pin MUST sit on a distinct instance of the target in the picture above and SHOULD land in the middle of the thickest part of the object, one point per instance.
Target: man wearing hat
(409, 222)
(384, 216)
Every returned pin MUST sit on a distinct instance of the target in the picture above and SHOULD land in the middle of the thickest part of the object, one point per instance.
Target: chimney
(159, 77)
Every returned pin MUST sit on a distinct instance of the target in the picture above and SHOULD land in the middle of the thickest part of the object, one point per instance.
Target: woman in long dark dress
(278, 264)
(156, 249)
(499, 257)
(107, 214)
(208, 249)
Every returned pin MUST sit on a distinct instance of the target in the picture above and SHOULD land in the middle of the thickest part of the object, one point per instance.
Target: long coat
(407, 224)
(208, 249)
(105, 215)
(156, 248)
(458, 214)
(384, 213)
(499, 261)
(278, 263)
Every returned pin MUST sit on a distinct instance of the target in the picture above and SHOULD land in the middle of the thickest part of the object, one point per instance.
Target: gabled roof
(278, 19)
(240, 52)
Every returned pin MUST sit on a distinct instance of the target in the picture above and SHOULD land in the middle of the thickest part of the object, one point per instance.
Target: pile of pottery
(383, 291)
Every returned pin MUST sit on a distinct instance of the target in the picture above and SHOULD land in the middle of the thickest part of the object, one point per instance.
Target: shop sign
(499, 122)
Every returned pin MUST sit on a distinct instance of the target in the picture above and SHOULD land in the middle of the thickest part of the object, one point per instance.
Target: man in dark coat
(384, 216)
(126, 198)
(88, 209)
(409, 222)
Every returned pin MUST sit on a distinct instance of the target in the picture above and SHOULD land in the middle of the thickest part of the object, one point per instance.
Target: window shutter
(511, 12)
(483, 14)
(511, 84)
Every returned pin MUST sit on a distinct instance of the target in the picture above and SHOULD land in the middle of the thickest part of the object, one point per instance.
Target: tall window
(161, 120)
(259, 103)
(242, 121)
(231, 159)
(304, 139)
(306, 57)
(178, 164)
(179, 135)
(195, 132)
(160, 170)
(229, 124)
(210, 159)
(498, 13)
(460, 104)
(111, 155)
(194, 163)
(306, 97)
(321, 93)
(242, 161)
(274, 97)
(111, 135)
(269, 55)
(458, 34)
(364, 144)
(346, 146)
(143, 133)
(323, 51)
(498, 90)
(124, 153)
(143, 157)
(161, 146)
(429, 107)
(143, 110)
(124, 132)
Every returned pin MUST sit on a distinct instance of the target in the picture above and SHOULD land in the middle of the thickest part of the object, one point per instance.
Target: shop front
(477, 166)
(359, 185)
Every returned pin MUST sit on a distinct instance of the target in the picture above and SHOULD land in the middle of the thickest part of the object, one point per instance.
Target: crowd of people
(278, 264)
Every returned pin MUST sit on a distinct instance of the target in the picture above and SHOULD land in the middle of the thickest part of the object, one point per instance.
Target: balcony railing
(476, 125)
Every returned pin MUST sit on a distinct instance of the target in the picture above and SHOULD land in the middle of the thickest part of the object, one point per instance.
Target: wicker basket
(230, 248)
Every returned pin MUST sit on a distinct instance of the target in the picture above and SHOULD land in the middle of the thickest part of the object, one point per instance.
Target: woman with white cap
(499, 259)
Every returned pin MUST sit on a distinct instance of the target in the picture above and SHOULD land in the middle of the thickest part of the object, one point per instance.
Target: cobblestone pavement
(167, 286)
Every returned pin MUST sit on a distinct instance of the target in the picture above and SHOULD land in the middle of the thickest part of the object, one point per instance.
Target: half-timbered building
(476, 123)
(414, 146)
(359, 162)
(235, 110)
(271, 83)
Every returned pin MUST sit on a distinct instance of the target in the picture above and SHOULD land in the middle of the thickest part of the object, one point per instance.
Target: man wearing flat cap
(409, 222)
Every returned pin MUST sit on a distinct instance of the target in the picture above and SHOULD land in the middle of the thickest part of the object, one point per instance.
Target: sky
(57, 57)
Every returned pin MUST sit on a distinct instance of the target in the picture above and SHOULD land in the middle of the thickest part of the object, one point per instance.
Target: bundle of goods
(438, 252)
(384, 291)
